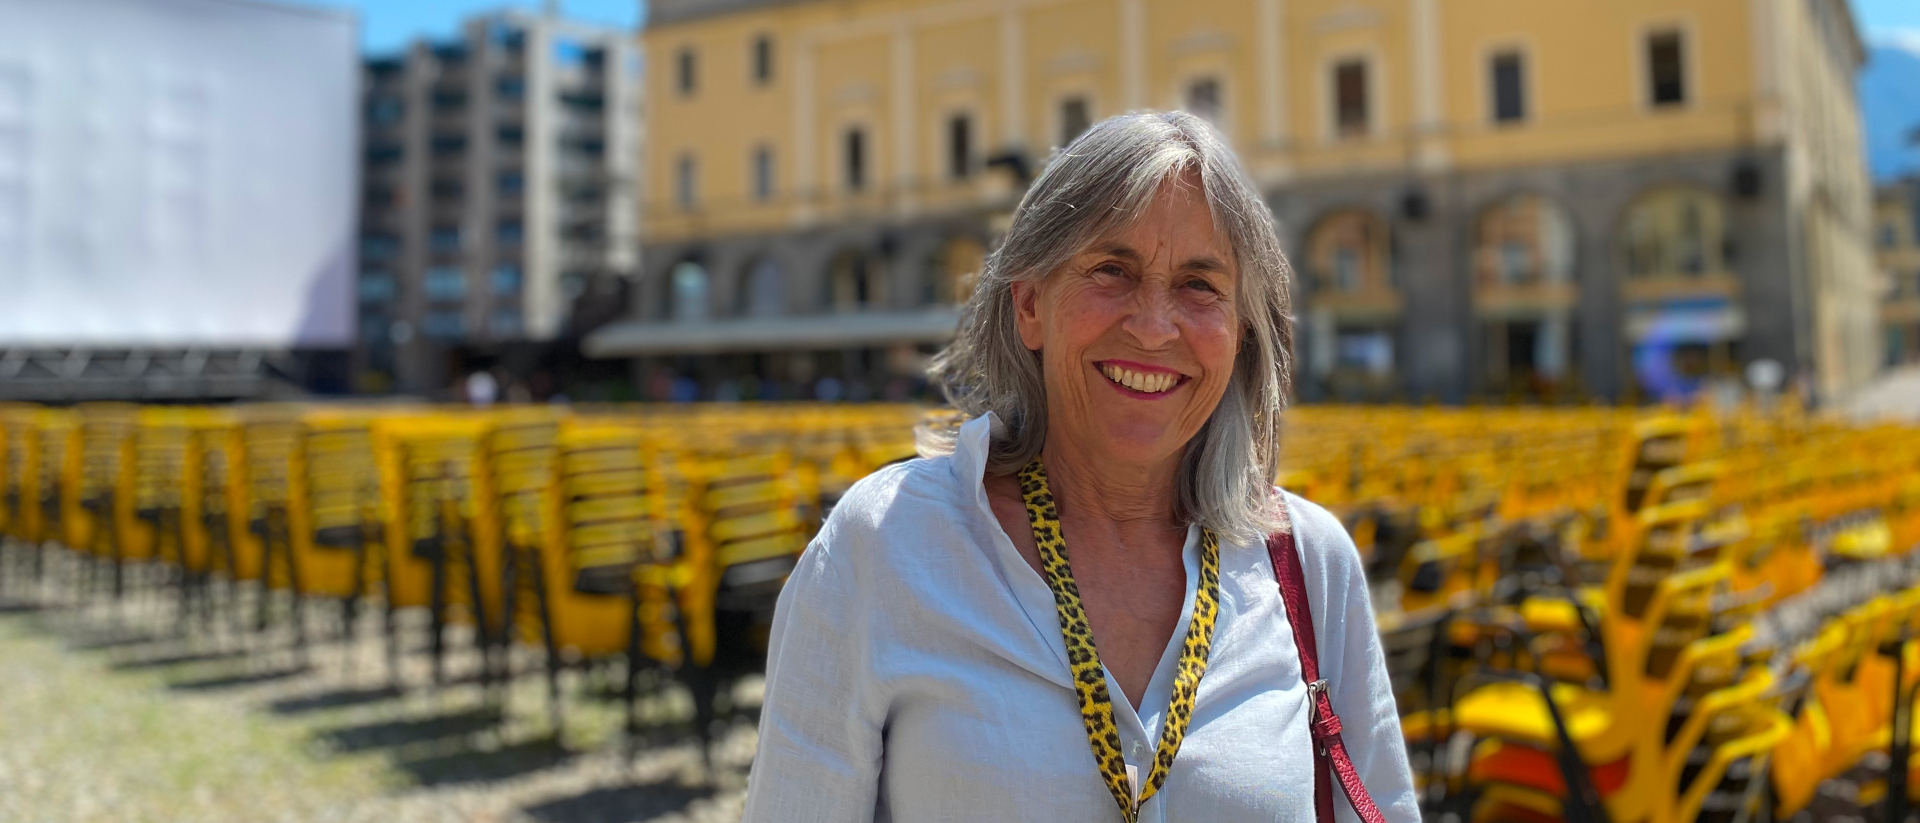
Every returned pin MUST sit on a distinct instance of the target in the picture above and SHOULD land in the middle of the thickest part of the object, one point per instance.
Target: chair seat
(1537, 769)
(1516, 712)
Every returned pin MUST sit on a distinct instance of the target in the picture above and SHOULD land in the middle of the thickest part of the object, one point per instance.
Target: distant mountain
(1890, 105)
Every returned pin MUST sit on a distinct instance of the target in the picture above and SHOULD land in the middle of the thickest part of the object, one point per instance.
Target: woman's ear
(1026, 313)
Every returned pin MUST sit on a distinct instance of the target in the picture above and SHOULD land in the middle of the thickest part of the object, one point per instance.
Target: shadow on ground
(503, 763)
(619, 804)
(333, 699)
(237, 680)
(408, 731)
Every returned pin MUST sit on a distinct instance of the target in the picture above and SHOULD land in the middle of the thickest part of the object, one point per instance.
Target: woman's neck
(1123, 493)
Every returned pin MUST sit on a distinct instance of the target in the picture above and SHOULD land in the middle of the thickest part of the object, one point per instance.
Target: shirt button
(1139, 750)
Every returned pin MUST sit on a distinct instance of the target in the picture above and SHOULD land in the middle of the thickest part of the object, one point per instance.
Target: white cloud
(1905, 39)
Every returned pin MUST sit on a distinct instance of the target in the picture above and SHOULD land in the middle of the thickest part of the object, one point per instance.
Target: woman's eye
(1202, 285)
(1110, 269)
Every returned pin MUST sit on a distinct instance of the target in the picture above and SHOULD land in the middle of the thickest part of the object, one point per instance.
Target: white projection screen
(177, 174)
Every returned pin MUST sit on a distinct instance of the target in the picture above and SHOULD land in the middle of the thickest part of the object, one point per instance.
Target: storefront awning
(636, 338)
(1700, 322)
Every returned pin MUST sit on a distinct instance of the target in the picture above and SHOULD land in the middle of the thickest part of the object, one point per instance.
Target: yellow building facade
(1896, 237)
(1479, 196)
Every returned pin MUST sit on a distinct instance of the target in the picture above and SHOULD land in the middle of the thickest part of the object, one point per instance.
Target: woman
(1124, 363)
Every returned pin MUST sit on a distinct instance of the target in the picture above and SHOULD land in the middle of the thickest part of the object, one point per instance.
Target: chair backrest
(608, 503)
(342, 483)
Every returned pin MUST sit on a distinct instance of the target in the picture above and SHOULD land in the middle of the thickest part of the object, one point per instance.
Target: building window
(856, 282)
(447, 100)
(511, 182)
(1076, 116)
(446, 284)
(763, 295)
(1666, 68)
(1203, 99)
(444, 240)
(763, 173)
(569, 53)
(509, 233)
(1889, 236)
(377, 287)
(856, 159)
(385, 110)
(1676, 233)
(504, 323)
(511, 88)
(381, 195)
(685, 183)
(689, 292)
(1351, 252)
(510, 136)
(1350, 105)
(763, 60)
(443, 324)
(385, 154)
(379, 246)
(684, 66)
(1509, 88)
(506, 279)
(1524, 240)
(449, 145)
(446, 189)
(959, 146)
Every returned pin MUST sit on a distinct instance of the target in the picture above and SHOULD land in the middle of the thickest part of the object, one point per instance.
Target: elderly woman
(1070, 612)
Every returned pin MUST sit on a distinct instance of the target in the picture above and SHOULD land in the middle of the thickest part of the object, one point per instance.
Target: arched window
(1524, 240)
(953, 271)
(1676, 232)
(1350, 252)
(856, 282)
(688, 292)
(760, 291)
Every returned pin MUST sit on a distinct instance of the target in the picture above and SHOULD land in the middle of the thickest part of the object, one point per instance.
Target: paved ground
(108, 715)
(1894, 395)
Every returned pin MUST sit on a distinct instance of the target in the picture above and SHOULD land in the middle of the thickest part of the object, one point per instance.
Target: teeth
(1149, 383)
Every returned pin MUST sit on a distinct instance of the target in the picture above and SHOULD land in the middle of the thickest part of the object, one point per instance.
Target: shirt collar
(971, 446)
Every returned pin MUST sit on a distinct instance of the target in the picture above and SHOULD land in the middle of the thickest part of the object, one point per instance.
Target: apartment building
(1481, 198)
(501, 178)
(1896, 240)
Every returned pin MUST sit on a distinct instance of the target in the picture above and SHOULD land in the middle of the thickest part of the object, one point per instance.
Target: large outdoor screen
(176, 173)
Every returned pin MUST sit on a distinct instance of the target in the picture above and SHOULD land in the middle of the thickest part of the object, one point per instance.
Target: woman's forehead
(1177, 224)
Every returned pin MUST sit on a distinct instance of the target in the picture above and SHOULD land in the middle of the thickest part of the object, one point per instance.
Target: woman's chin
(1139, 443)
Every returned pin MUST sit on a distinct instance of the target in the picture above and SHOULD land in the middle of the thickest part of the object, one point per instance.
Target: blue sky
(387, 25)
(1881, 17)
(390, 24)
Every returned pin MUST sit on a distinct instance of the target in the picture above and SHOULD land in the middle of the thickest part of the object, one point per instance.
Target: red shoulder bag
(1330, 757)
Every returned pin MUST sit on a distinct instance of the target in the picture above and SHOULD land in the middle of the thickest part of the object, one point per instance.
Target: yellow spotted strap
(1089, 679)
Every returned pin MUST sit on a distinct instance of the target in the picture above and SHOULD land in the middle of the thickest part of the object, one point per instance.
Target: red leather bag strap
(1330, 759)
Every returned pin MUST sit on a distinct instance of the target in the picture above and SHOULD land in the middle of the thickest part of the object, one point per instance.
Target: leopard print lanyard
(1089, 679)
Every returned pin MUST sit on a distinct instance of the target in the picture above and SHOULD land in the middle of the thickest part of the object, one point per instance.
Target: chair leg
(548, 636)
(632, 692)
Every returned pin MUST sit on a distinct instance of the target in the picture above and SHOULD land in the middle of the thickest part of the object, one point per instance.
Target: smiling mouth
(1141, 381)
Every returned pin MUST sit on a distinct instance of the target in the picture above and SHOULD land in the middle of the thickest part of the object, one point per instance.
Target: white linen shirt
(917, 673)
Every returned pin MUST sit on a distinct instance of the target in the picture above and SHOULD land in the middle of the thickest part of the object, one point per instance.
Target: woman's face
(1139, 331)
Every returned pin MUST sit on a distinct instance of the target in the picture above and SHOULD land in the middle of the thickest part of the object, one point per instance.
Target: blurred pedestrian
(1089, 603)
(482, 388)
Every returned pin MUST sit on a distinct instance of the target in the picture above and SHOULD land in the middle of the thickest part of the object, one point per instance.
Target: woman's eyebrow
(1203, 263)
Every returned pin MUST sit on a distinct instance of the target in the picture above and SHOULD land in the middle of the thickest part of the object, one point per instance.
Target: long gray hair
(1100, 183)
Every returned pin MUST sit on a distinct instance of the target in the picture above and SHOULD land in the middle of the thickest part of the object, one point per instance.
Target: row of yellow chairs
(660, 533)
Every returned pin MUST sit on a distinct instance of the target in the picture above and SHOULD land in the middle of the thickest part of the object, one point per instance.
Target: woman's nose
(1150, 320)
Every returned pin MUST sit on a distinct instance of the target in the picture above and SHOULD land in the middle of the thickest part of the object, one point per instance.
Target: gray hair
(1100, 183)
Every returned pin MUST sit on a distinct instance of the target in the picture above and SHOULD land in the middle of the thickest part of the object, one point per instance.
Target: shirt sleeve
(1354, 662)
(820, 728)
